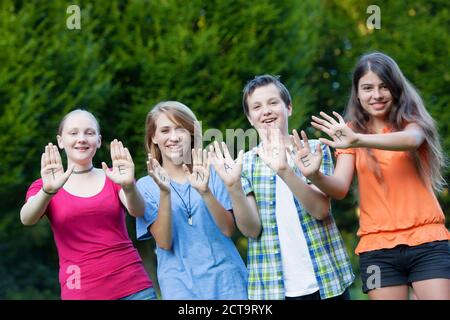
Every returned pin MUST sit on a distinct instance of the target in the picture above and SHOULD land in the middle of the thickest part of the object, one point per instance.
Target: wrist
(204, 193)
(285, 172)
(358, 140)
(314, 176)
(49, 192)
(127, 187)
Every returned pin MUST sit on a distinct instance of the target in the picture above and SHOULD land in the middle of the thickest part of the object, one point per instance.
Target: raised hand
(228, 169)
(272, 150)
(199, 176)
(158, 174)
(307, 162)
(52, 171)
(122, 165)
(343, 137)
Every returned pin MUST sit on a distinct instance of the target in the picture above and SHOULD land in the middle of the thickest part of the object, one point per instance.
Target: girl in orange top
(393, 144)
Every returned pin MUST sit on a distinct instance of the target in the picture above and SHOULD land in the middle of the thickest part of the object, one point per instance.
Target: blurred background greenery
(128, 55)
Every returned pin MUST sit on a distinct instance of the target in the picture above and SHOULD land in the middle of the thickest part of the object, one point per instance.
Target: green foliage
(129, 55)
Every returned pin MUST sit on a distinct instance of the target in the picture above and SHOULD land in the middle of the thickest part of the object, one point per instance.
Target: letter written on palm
(272, 149)
(228, 169)
(199, 176)
(158, 173)
(52, 170)
(343, 137)
(122, 171)
(306, 161)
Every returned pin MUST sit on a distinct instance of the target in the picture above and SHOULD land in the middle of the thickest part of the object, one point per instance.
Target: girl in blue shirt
(188, 211)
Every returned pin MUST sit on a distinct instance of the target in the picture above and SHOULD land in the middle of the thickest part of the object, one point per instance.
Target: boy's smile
(267, 110)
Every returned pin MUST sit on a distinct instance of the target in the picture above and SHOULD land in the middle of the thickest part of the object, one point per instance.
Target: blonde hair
(61, 124)
(181, 115)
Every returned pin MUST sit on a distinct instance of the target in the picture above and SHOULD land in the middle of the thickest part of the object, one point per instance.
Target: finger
(217, 150)
(240, 158)
(128, 155)
(263, 135)
(340, 118)
(68, 173)
(321, 122)
(121, 150)
(113, 150)
(51, 153)
(57, 155)
(200, 157)
(226, 152)
(205, 158)
(327, 117)
(327, 142)
(149, 167)
(43, 162)
(194, 157)
(319, 149)
(296, 139)
(321, 128)
(47, 156)
(155, 164)
(305, 140)
(149, 162)
(186, 170)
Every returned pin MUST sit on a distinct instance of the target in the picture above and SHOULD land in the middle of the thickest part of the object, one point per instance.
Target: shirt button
(272, 178)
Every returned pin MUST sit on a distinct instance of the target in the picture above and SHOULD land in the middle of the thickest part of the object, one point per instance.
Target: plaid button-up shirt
(329, 257)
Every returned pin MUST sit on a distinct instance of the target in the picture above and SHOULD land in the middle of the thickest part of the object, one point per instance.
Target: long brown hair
(181, 115)
(407, 107)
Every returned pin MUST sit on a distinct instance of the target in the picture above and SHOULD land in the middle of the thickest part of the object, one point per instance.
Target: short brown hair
(261, 81)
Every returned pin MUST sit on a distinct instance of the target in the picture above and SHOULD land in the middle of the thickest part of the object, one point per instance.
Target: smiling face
(374, 96)
(173, 141)
(267, 110)
(79, 137)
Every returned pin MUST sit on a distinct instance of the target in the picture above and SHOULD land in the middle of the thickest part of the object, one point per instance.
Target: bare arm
(53, 178)
(222, 218)
(315, 202)
(245, 211)
(161, 229)
(410, 138)
(337, 185)
(244, 207)
(34, 208)
(132, 200)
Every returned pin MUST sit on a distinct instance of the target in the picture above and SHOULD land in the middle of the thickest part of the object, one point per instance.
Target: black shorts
(404, 265)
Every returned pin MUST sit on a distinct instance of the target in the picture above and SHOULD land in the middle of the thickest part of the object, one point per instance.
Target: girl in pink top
(86, 209)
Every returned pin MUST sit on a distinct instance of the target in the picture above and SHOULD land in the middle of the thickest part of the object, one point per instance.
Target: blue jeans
(146, 294)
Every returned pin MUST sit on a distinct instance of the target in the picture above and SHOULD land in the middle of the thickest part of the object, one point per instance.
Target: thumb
(186, 170)
(106, 170)
(319, 149)
(68, 172)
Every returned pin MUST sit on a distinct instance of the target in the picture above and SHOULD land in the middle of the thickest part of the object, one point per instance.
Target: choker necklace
(187, 207)
(83, 171)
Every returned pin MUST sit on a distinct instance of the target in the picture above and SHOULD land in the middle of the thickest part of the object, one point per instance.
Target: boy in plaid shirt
(295, 250)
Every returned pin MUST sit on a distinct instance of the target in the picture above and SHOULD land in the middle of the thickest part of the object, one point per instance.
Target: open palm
(272, 149)
(159, 175)
(306, 161)
(199, 176)
(122, 165)
(343, 137)
(52, 170)
(228, 169)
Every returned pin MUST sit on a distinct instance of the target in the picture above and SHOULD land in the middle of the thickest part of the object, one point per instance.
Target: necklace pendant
(190, 221)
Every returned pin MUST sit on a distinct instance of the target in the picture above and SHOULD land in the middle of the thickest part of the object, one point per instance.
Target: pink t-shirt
(97, 260)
